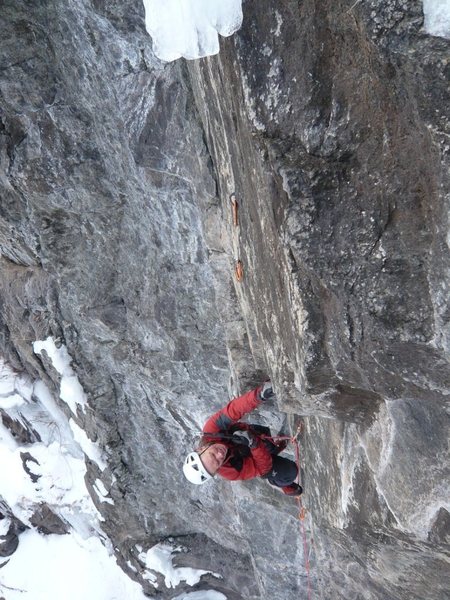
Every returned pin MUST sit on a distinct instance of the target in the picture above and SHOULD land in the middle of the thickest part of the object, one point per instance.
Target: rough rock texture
(13, 528)
(330, 123)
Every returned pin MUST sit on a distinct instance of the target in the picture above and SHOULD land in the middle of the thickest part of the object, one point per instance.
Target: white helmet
(194, 470)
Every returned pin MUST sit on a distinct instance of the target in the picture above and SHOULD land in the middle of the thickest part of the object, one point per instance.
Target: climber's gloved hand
(266, 393)
(245, 438)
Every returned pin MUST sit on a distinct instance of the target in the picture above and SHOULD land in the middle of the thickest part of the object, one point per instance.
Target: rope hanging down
(301, 509)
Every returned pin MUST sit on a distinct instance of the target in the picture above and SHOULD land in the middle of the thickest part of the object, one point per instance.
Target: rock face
(329, 121)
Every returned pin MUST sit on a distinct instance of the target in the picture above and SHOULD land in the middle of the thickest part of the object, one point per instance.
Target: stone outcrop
(12, 528)
(329, 121)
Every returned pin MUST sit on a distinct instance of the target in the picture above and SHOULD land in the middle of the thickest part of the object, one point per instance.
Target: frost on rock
(190, 28)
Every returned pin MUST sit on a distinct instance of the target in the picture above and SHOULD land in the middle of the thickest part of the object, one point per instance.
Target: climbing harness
(234, 209)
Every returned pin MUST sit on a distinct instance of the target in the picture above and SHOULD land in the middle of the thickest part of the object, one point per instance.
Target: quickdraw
(239, 270)
(234, 209)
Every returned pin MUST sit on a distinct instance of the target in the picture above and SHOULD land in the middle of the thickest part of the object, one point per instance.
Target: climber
(235, 450)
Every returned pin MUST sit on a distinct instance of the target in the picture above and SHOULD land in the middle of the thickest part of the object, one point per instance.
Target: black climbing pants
(284, 472)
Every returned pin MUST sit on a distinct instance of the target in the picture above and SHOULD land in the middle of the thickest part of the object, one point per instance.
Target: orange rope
(301, 508)
(302, 513)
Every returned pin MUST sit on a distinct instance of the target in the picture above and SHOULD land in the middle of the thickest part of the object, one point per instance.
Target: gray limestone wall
(329, 121)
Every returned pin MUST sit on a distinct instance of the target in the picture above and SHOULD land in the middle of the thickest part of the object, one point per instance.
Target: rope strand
(302, 511)
(301, 508)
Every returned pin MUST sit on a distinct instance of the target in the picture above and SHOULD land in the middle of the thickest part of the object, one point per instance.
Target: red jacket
(241, 462)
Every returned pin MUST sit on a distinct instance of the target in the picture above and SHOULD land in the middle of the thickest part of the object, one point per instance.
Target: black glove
(245, 438)
(267, 394)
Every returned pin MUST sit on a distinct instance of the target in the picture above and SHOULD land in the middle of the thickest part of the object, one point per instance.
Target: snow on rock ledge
(71, 391)
(159, 559)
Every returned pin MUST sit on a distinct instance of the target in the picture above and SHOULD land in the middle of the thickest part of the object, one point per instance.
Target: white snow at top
(437, 17)
(190, 28)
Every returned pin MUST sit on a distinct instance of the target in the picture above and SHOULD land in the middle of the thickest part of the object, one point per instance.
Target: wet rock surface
(329, 121)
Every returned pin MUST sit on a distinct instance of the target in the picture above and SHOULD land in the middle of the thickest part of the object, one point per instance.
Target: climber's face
(213, 457)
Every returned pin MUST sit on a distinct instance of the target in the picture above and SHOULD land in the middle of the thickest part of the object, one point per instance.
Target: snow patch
(159, 559)
(437, 17)
(102, 492)
(71, 391)
(59, 357)
(91, 449)
(65, 566)
(11, 401)
(52, 423)
(6, 381)
(59, 481)
(202, 595)
(190, 28)
(131, 566)
(276, 32)
(54, 475)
